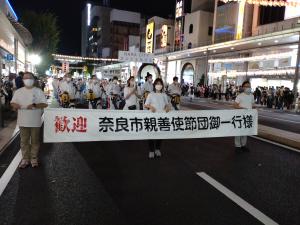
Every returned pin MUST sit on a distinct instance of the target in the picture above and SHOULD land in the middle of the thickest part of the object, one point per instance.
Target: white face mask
(28, 82)
(68, 79)
(158, 87)
(115, 81)
(247, 91)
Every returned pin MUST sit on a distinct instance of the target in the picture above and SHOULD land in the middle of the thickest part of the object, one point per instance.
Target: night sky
(69, 15)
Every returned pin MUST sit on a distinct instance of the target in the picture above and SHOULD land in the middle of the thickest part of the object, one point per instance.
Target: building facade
(13, 41)
(105, 30)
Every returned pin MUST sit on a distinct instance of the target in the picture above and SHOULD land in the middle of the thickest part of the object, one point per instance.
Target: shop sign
(179, 9)
(150, 37)
(164, 36)
(126, 56)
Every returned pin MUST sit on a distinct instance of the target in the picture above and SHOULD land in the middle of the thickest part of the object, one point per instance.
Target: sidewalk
(276, 135)
(231, 102)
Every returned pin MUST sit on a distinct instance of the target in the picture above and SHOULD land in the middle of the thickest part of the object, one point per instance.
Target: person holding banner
(245, 100)
(29, 102)
(175, 93)
(157, 101)
(130, 94)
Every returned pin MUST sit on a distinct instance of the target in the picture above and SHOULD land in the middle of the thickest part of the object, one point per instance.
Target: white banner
(69, 125)
(125, 56)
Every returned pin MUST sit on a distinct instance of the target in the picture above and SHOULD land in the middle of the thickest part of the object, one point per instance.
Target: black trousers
(154, 145)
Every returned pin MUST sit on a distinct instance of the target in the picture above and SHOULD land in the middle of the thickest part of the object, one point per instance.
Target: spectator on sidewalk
(245, 100)
(29, 101)
(19, 80)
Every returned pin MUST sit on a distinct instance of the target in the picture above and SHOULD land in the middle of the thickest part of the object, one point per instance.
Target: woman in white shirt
(130, 94)
(157, 101)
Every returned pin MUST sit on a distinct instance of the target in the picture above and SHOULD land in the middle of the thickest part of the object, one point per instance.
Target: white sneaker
(157, 153)
(151, 155)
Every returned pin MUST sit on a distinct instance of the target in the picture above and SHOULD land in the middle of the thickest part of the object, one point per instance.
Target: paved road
(115, 183)
(272, 118)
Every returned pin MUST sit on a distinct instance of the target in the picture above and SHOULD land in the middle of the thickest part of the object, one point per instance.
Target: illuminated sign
(89, 6)
(164, 36)
(149, 37)
(12, 10)
(240, 24)
(179, 9)
(292, 11)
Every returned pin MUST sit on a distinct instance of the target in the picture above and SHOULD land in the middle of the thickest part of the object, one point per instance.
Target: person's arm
(15, 106)
(14, 102)
(148, 104)
(127, 93)
(237, 103)
(41, 101)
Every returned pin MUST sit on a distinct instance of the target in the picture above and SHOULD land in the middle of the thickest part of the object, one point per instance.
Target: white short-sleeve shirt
(158, 100)
(25, 97)
(245, 101)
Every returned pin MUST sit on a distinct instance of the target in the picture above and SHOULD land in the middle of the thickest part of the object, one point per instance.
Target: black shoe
(245, 149)
(238, 149)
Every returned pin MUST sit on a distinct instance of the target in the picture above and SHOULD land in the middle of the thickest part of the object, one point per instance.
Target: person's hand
(16, 106)
(168, 108)
(31, 106)
(152, 109)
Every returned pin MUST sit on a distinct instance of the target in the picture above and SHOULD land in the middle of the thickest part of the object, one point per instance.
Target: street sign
(9, 57)
(125, 56)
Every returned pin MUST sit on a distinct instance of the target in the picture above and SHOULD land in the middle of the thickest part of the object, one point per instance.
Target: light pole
(295, 89)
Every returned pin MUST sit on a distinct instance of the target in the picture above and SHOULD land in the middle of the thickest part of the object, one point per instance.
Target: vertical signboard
(240, 22)
(149, 37)
(164, 36)
(179, 24)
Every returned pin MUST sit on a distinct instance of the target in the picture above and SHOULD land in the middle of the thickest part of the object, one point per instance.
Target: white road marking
(9, 172)
(277, 144)
(236, 199)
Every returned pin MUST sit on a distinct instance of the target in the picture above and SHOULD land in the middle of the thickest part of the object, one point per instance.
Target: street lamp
(35, 59)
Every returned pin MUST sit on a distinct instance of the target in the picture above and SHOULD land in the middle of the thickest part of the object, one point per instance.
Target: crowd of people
(26, 95)
(277, 98)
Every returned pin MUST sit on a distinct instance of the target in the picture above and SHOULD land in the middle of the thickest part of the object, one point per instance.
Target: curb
(280, 136)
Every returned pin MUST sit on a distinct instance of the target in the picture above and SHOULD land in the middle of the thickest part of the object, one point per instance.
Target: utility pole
(297, 71)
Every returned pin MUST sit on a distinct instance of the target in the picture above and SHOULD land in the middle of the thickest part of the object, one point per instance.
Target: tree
(46, 36)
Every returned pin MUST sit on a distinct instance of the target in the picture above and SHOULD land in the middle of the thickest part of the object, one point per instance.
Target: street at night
(174, 112)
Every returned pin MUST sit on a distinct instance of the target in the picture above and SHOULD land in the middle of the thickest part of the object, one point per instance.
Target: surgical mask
(115, 81)
(68, 79)
(158, 87)
(247, 90)
(28, 82)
